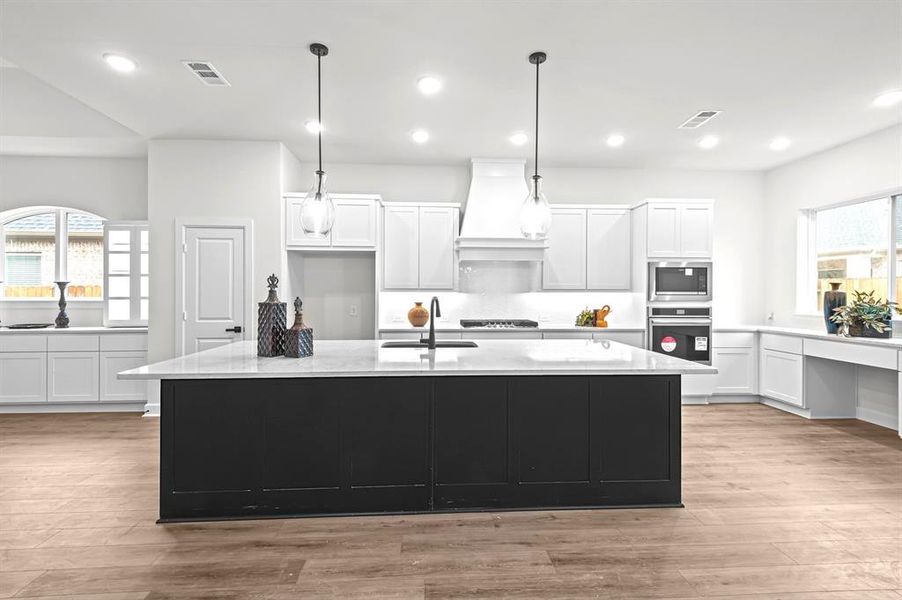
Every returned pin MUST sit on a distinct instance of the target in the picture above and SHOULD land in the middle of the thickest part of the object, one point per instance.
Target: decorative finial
(273, 282)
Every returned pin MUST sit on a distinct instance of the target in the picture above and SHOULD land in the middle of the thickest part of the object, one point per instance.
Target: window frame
(60, 251)
(806, 251)
(134, 273)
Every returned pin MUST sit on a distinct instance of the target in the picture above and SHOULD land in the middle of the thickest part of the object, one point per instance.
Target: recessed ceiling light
(615, 140)
(420, 136)
(780, 143)
(519, 138)
(313, 127)
(708, 142)
(887, 99)
(120, 63)
(429, 85)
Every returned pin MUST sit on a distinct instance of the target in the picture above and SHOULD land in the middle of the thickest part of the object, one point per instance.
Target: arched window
(43, 244)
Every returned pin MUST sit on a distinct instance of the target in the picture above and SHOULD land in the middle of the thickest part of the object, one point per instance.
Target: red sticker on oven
(668, 343)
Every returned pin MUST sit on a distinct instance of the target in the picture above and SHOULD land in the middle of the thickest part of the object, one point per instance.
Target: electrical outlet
(397, 318)
(353, 310)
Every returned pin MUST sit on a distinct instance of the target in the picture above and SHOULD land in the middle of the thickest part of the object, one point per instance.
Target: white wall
(115, 188)
(206, 178)
(862, 167)
(739, 220)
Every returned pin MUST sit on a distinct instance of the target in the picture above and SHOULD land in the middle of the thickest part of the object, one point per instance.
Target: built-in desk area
(823, 376)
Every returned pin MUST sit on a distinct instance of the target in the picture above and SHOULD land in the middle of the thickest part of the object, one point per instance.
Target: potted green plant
(866, 316)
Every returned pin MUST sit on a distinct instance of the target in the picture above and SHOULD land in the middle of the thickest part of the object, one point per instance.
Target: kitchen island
(358, 428)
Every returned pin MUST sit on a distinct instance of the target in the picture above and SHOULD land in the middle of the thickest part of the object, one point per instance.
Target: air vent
(205, 72)
(699, 119)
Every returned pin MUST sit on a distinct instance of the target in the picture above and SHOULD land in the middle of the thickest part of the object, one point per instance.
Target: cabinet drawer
(782, 343)
(732, 340)
(567, 335)
(630, 338)
(859, 354)
(73, 342)
(123, 342)
(23, 342)
(503, 335)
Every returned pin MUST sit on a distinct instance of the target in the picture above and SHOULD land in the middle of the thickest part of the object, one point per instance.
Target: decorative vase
(600, 315)
(867, 332)
(62, 319)
(299, 339)
(271, 322)
(833, 298)
(418, 315)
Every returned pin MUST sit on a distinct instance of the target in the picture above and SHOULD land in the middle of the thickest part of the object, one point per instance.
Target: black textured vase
(833, 298)
(272, 317)
(299, 339)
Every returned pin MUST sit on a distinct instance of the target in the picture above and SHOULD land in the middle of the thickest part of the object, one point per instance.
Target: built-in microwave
(679, 281)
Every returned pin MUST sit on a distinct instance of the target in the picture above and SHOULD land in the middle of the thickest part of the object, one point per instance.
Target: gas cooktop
(498, 323)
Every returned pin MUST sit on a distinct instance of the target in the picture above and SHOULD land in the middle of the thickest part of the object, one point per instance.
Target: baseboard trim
(735, 399)
(151, 410)
(796, 410)
(876, 417)
(694, 400)
(137, 407)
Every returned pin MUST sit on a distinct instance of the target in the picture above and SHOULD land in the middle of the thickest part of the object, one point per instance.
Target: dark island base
(256, 448)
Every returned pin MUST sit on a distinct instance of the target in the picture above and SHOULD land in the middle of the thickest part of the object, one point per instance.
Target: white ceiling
(807, 70)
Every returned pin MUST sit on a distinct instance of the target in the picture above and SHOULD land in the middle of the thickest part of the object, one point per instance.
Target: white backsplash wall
(557, 308)
(81, 314)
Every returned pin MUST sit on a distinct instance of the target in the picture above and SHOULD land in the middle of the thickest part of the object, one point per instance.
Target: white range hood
(491, 224)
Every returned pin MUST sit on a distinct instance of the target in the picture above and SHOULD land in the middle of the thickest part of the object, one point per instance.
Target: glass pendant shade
(535, 216)
(317, 209)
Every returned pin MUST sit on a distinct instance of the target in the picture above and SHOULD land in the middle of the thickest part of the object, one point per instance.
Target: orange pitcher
(600, 314)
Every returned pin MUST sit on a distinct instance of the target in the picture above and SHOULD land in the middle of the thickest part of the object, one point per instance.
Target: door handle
(236, 329)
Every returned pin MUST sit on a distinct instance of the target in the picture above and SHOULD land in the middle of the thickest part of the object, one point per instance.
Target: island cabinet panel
(348, 445)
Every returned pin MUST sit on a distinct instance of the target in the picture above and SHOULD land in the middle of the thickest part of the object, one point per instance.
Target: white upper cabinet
(564, 266)
(436, 247)
(355, 223)
(608, 249)
(680, 229)
(589, 248)
(354, 228)
(418, 246)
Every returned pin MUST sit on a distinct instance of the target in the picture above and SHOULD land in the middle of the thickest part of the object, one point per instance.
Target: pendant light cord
(319, 107)
(536, 162)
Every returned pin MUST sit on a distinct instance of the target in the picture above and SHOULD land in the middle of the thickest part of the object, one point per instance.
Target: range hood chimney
(491, 224)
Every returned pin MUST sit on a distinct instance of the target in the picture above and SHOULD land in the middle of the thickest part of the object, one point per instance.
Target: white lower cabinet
(736, 372)
(117, 390)
(73, 376)
(23, 377)
(782, 376)
(630, 338)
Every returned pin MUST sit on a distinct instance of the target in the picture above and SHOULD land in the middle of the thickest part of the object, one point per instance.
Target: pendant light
(317, 210)
(535, 216)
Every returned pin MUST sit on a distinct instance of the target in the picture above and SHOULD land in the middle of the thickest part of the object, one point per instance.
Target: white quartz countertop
(455, 327)
(820, 334)
(53, 330)
(365, 358)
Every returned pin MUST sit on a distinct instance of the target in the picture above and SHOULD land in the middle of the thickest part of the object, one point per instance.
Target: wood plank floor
(776, 507)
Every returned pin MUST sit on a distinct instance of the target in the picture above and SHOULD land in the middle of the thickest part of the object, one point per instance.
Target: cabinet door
(355, 223)
(696, 231)
(400, 244)
(117, 390)
(294, 233)
(73, 376)
(23, 377)
(608, 249)
(735, 370)
(436, 248)
(781, 376)
(663, 230)
(564, 267)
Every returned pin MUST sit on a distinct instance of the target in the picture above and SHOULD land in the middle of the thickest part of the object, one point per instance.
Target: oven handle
(678, 321)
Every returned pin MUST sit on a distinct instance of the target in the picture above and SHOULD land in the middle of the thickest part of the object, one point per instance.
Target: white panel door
(608, 249)
(355, 223)
(436, 248)
(400, 244)
(663, 230)
(73, 376)
(113, 389)
(564, 267)
(214, 287)
(781, 376)
(696, 231)
(23, 377)
(736, 372)
(294, 233)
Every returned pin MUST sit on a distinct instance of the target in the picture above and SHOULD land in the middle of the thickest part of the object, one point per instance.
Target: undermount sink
(438, 344)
